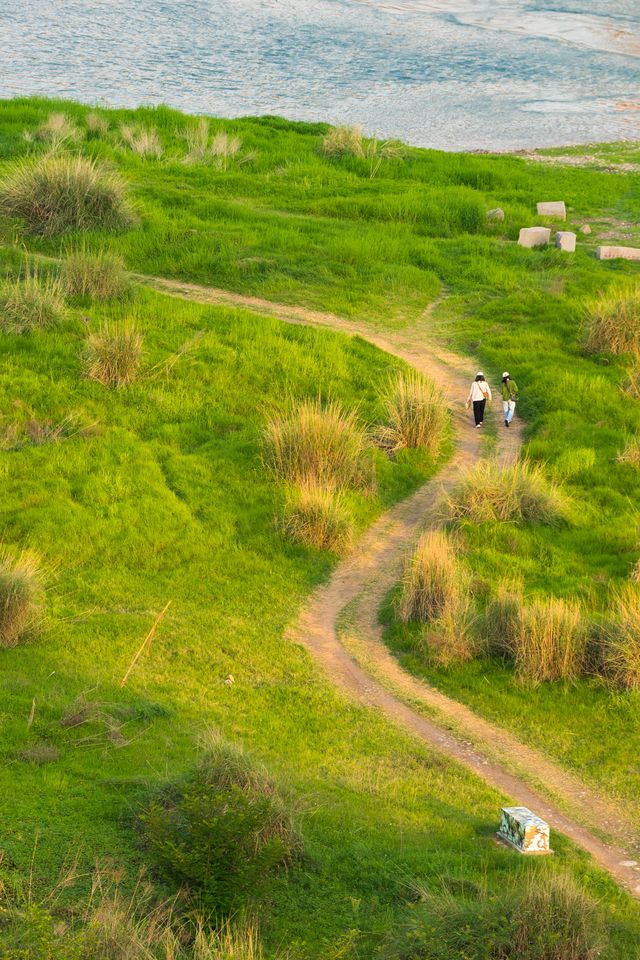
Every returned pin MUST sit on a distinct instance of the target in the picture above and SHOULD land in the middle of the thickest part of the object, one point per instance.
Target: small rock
(230, 680)
(565, 240)
(628, 863)
(618, 253)
(496, 214)
(552, 208)
(534, 236)
(585, 228)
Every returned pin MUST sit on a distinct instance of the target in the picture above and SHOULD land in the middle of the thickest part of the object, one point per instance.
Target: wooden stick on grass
(145, 643)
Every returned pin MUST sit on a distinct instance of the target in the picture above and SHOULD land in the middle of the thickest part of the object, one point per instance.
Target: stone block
(618, 253)
(524, 830)
(565, 240)
(496, 214)
(534, 236)
(552, 208)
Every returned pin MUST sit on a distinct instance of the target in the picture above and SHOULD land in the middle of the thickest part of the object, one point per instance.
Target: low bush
(543, 915)
(550, 643)
(432, 582)
(21, 597)
(100, 275)
(630, 454)
(490, 492)
(222, 831)
(54, 193)
(613, 321)
(502, 618)
(622, 640)
(57, 130)
(416, 414)
(31, 303)
(318, 517)
(322, 445)
(142, 140)
(113, 354)
(344, 141)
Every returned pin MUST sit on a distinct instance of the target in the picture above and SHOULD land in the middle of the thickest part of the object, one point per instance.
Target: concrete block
(534, 236)
(552, 208)
(618, 253)
(565, 240)
(524, 830)
(496, 214)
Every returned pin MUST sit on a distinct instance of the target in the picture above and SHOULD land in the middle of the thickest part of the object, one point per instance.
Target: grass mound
(100, 275)
(21, 597)
(55, 193)
(318, 517)
(613, 322)
(113, 355)
(144, 141)
(323, 445)
(489, 492)
(416, 413)
(31, 303)
(550, 641)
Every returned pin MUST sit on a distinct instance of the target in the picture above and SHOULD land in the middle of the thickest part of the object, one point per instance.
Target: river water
(462, 74)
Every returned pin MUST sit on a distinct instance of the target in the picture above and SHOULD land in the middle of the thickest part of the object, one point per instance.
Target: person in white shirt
(479, 393)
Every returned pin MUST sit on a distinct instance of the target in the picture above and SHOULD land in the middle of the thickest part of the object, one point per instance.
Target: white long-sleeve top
(480, 390)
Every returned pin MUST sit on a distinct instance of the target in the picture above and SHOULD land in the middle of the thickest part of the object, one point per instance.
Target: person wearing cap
(479, 393)
(509, 394)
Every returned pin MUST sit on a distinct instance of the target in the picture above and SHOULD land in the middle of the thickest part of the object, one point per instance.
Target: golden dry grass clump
(550, 642)
(490, 492)
(318, 517)
(613, 321)
(57, 130)
(113, 355)
(631, 385)
(57, 192)
(502, 619)
(344, 141)
(416, 413)
(324, 445)
(97, 124)
(21, 597)
(31, 302)
(218, 149)
(144, 141)
(100, 275)
(622, 647)
(630, 454)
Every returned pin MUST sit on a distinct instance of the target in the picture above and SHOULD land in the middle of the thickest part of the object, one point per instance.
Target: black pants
(478, 410)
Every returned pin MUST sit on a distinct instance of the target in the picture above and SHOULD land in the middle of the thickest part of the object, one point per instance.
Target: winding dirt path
(357, 660)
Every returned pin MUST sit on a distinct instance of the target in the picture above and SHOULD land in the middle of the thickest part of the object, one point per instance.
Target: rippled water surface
(460, 74)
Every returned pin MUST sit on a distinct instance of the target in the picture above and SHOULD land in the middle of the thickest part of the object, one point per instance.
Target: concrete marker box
(525, 831)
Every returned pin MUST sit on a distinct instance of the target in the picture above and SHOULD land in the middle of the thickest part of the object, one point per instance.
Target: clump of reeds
(97, 124)
(100, 275)
(622, 641)
(344, 141)
(224, 146)
(321, 444)
(550, 642)
(113, 355)
(144, 141)
(57, 130)
(218, 149)
(630, 454)
(490, 492)
(31, 302)
(21, 597)
(613, 321)
(57, 192)
(416, 413)
(318, 517)
(502, 620)
(431, 583)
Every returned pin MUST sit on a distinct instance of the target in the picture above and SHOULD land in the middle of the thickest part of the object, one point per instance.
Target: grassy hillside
(160, 493)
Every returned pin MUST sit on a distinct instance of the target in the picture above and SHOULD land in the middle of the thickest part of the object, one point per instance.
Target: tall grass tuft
(613, 321)
(144, 141)
(416, 413)
(113, 355)
(622, 645)
(490, 492)
(432, 580)
(224, 146)
(21, 597)
(100, 275)
(54, 193)
(58, 130)
(230, 941)
(197, 139)
(97, 124)
(318, 517)
(451, 639)
(31, 303)
(502, 620)
(630, 454)
(324, 445)
(550, 643)
(631, 385)
(344, 142)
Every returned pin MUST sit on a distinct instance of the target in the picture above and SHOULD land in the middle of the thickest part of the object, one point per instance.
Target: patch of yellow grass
(113, 355)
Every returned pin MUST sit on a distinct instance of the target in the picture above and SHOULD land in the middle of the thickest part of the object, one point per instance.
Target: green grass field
(166, 497)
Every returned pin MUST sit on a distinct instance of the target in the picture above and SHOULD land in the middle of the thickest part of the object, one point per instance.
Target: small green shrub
(21, 597)
(416, 414)
(318, 517)
(490, 492)
(31, 303)
(222, 831)
(613, 321)
(551, 641)
(325, 446)
(100, 275)
(54, 193)
(113, 354)
(142, 140)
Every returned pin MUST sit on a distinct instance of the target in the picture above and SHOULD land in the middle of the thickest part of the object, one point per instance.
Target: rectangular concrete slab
(565, 240)
(534, 236)
(552, 208)
(618, 253)
(524, 830)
